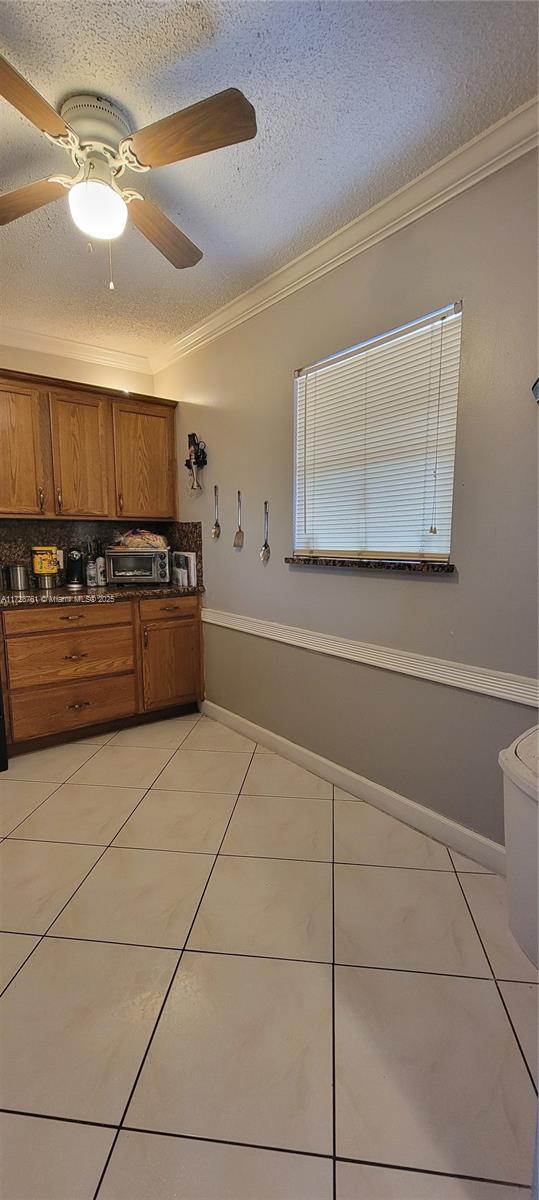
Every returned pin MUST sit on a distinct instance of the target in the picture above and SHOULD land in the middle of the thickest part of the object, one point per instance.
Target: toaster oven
(137, 566)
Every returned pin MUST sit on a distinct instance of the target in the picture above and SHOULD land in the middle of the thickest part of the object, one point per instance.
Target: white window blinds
(375, 445)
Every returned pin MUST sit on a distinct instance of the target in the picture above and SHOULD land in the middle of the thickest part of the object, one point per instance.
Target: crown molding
(41, 343)
(520, 689)
(491, 150)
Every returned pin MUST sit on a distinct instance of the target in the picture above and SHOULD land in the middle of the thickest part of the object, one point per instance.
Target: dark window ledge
(408, 566)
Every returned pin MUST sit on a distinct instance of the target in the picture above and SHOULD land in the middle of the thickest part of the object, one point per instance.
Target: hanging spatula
(238, 536)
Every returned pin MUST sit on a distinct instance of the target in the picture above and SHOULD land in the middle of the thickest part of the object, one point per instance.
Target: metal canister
(45, 560)
(18, 577)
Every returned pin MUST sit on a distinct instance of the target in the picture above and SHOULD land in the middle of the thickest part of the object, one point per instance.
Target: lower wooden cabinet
(65, 668)
(170, 662)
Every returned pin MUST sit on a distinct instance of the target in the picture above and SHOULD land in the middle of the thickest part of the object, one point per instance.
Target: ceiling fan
(96, 135)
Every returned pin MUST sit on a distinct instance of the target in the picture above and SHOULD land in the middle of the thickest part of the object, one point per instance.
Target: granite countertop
(111, 594)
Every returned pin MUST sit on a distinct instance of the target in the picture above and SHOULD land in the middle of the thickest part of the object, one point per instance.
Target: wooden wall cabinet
(75, 451)
(81, 454)
(144, 458)
(74, 666)
(25, 453)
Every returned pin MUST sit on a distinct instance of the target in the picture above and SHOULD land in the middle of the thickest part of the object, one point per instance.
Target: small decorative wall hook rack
(196, 460)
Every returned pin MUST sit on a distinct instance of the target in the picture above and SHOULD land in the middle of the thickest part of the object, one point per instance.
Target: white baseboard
(458, 837)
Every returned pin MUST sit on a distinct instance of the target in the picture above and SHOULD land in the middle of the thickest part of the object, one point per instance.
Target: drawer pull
(77, 707)
(74, 657)
(72, 617)
(41, 495)
(169, 607)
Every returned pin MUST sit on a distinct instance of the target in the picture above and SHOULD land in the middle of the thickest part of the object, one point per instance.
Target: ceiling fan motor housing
(95, 120)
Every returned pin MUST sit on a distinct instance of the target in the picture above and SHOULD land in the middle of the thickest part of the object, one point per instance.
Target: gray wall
(237, 395)
(436, 745)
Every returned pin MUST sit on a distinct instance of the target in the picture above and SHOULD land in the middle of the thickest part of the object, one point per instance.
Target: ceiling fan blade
(23, 96)
(27, 199)
(221, 120)
(166, 237)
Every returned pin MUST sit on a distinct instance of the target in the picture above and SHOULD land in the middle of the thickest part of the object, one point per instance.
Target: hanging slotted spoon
(216, 528)
(265, 551)
(238, 536)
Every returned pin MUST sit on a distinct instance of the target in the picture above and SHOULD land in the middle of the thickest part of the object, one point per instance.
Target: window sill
(414, 567)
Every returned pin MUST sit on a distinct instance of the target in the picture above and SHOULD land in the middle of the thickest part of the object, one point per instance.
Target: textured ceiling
(353, 100)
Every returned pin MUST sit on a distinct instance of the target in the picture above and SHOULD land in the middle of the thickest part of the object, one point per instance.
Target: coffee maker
(74, 569)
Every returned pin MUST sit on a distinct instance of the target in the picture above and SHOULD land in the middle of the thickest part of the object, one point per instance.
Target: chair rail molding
(519, 689)
(491, 150)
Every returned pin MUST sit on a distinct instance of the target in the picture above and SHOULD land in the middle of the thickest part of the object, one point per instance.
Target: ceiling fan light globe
(97, 210)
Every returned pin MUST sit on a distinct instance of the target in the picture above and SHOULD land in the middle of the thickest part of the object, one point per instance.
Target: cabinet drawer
(70, 706)
(66, 616)
(53, 658)
(168, 608)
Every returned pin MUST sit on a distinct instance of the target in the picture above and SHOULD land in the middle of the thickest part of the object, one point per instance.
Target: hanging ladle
(265, 551)
(216, 528)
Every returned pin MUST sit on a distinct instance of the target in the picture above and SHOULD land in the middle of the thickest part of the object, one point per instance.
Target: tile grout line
(83, 880)
(64, 937)
(387, 1166)
(167, 992)
(498, 989)
(333, 1001)
(225, 853)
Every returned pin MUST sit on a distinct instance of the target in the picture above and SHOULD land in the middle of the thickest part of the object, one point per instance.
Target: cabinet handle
(77, 707)
(72, 617)
(41, 495)
(145, 639)
(59, 498)
(74, 657)
(120, 502)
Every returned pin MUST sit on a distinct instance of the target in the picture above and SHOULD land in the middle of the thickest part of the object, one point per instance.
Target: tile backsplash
(18, 535)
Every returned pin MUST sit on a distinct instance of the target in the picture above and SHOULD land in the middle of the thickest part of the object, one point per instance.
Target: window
(375, 445)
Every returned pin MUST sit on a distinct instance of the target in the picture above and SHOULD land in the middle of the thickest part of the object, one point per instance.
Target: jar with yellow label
(45, 560)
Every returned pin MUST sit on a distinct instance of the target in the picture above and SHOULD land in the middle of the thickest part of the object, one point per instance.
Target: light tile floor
(226, 980)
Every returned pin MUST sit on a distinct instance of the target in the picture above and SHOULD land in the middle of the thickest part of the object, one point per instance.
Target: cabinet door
(144, 459)
(170, 662)
(81, 453)
(25, 453)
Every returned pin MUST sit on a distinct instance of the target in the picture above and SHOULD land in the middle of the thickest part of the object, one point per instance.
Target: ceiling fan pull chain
(111, 282)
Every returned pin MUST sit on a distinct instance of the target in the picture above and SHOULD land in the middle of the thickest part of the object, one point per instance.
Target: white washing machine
(519, 764)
